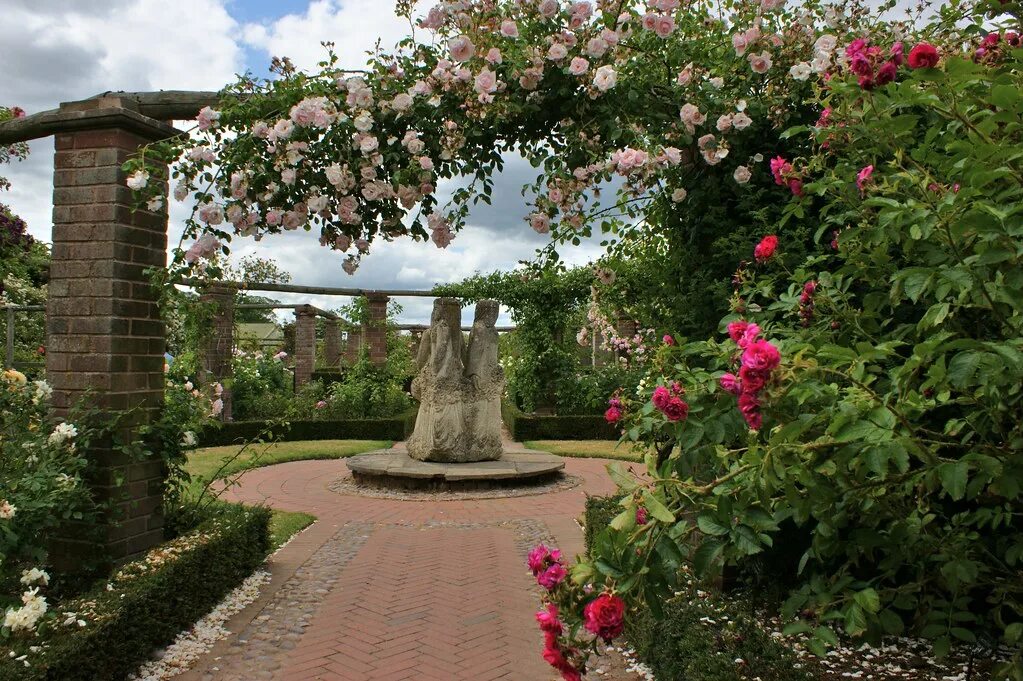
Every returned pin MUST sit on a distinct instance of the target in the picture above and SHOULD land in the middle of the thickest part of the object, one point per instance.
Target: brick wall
(353, 345)
(104, 331)
(305, 345)
(331, 343)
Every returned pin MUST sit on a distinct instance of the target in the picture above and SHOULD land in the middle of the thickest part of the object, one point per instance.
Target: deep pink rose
(668, 340)
(676, 409)
(898, 54)
(923, 56)
(765, 249)
(604, 616)
(886, 73)
(737, 329)
(552, 576)
(749, 405)
(863, 177)
(761, 355)
(641, 515)
(613, 415)
(548, 620)
(752, 380)
(729, 383)
(661, 397)
(796, 186)
(537, 559)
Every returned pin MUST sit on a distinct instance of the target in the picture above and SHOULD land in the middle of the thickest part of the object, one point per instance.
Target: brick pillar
(417, 338)
(374, 330)
(305, 345)
(353, 345)
(331, 343)
(625, 327)
(105, 336)
(218, 345)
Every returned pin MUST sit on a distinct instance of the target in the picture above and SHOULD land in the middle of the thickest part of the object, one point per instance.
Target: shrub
(261, 386)
(531, 427)
(144, 604)
(600, 511)
(586, 390)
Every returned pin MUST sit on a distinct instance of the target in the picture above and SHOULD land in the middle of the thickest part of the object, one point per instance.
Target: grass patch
(205, 465)
(587, 449)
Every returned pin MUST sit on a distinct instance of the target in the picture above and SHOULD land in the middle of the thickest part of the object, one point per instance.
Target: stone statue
(459, 389)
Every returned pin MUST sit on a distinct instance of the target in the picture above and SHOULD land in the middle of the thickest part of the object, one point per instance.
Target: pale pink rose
(486, 81)
(442, 236)
(610, 36)
(740, 121)
(293, 220)
(273, 217)
(556, 195)
(760, 63)
(540, 223)
(368, 144)
(207, 118)
(402, 102)
(768, 5)
(578, 67)
(260, 129)
(685, 75)
(210, 213)
(596, 47)
(724, 123)
(509, 29)
(548, 8)
(362, 245)
(288, 176)
(664, 26)
(649, 21)
(494, 56)
(350, 265)
(605, 78)
(673, 155)
(582, 8)
(461, 48)
(742, 175)
(283, 129)
(342, 242)
(739, 43)
(692, 116)
(426, 163)
(557, 52)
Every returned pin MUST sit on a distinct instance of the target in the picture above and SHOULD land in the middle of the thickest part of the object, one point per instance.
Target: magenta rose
(737, 329)
(676, 409)
(538, 559)
(552, 576)
(641, 515)
(761, 355)
(668, 340)
(549, 621)
(765, 249)
(749, 405)
(753, 380)
(730, 383)
(661, 397)
(923, 56)
(604, 616)
(613, 415)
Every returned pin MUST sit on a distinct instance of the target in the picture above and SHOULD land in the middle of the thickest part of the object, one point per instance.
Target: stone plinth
(395, 469)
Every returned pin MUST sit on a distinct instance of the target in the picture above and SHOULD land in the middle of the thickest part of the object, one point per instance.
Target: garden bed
(236, 432)
(523, 426)
(107, 632)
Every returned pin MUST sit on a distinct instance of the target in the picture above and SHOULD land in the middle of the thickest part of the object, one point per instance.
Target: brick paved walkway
(396, 589)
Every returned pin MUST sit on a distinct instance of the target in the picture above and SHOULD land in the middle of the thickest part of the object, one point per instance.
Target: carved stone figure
(459, 389)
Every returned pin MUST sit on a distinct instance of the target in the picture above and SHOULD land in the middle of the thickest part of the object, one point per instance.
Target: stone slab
(395, 468)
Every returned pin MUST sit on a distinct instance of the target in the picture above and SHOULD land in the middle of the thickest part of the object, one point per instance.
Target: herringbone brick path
(431, 589)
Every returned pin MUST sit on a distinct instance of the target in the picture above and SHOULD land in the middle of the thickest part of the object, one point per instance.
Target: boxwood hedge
(524, 426)
(238, 432)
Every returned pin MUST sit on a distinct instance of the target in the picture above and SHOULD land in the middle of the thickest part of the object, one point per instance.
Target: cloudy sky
(64, 50)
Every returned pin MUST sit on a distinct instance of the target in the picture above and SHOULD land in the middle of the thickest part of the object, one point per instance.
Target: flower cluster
(873, 65)
(758, 361)
(764, 250)
(670, 403)
(547, 566)
(614, 411)
(994, 45)
(785, 175)
(567, 660)
(806, 302)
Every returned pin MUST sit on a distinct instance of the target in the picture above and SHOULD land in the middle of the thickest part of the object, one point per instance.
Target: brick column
(331, 343)
(417, 338)
(305, 345)
(374, 330)
(105, 336)
(218, 345)
(353, 345)
(625, 327)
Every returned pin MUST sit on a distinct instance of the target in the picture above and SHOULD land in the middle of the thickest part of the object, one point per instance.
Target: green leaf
(707, 555)
(1004, 96)
(868, 600)
(855, 620)
(657, 509)
(953, 478)
(709, 525)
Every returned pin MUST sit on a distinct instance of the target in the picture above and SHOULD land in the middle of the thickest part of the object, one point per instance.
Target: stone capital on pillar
(374, 330)
(218, 345)
(105, 334)
(305, 344)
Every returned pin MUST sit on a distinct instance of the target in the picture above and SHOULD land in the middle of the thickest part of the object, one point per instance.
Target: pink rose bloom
(766, 248)
(578, 67)
(426, 163)
(752, 380)
(739, 43)
(273, 217)
(605, 78)
(886, 74)
(691, 116)
(486, 81)
(863, 177)
(736, 329)
(742, 175)
(661, 397)
(540, 223)
(796, 186)
(729, 383)
(760, 63)
(494, 56)
(217, 407)
(613, 414)
(461, 48)
(207, 118)
(761, 355)
(604, 616)
(596, 47)
(549, 621)
(321, 404)
(641, 515)
(649, 21)
(557, 52)
(552, 576)
(548, 8)
(923, 55)
(537, 559)
(509, 29)
(668, 340)
(664, 26)
(749, 405)
(676, 409)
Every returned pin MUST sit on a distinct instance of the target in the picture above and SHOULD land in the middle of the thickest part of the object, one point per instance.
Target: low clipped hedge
(238, 432)
(700, 638)
(525, 426)
(147, 603)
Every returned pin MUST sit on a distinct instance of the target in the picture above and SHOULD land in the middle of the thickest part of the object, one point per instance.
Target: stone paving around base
(391, 589)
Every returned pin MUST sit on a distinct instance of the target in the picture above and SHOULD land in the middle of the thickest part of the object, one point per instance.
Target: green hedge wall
(150, 603)
(237, 432)
(530, 427)
(683, 646)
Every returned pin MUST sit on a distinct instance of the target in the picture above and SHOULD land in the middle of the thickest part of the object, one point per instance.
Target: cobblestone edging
(258, 651)
(347, 485)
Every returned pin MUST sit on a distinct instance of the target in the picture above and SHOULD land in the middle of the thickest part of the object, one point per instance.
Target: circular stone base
(395, 469)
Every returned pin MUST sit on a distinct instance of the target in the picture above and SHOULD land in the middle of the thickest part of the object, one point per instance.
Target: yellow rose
(16, 377)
